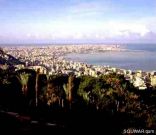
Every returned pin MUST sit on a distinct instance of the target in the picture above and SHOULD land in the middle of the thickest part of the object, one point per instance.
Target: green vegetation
(112, 96)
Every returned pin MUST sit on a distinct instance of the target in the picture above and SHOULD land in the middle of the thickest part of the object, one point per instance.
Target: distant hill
(8, 59)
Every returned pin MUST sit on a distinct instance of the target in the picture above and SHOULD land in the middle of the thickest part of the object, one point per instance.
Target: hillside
(8, 59)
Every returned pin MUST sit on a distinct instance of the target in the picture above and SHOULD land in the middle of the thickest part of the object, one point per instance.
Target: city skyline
(77, 21)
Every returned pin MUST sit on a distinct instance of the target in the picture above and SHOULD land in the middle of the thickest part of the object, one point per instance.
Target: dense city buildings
(51, 60)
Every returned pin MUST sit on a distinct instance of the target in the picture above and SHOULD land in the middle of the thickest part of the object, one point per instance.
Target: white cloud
(150, 22)
(124, 28)
(137, 29)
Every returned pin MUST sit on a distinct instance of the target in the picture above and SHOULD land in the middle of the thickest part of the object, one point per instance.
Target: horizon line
(76, 43)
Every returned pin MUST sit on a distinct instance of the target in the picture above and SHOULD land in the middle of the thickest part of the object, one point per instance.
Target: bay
(136, 57)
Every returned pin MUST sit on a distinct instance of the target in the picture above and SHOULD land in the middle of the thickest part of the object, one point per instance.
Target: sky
(77, 21)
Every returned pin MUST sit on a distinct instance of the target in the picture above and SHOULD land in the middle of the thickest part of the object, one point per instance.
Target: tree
(70, 87)
(36, 87)
(54, 94)
(85, 87)
(27, 79)
(23, 78)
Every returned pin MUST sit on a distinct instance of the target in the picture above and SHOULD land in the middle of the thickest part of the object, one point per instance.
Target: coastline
(114, 55)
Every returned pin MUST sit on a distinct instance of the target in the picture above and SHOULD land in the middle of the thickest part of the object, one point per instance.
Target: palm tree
(23, 78)
(36, 87)
(70, 87)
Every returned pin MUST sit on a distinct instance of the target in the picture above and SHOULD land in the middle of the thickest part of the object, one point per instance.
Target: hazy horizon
(77, 21)
(74, 43)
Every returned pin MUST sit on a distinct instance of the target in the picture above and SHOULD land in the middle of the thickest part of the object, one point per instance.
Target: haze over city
(77, 21)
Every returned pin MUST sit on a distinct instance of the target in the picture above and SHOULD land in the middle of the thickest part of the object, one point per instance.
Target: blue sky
(65, 21)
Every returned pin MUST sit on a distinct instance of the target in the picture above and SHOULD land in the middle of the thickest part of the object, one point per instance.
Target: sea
(135, 57)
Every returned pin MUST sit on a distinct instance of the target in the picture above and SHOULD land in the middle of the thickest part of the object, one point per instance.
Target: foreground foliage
(112, 98)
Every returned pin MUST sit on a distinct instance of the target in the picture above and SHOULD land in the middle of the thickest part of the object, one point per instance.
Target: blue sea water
(136, 57)
(141, 47)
